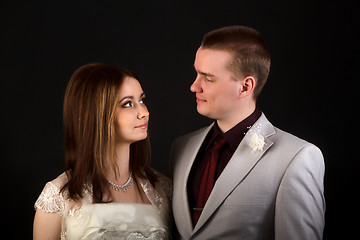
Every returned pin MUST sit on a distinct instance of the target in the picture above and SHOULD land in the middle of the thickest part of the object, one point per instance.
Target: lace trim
(50, 200)
(155, 199)
(116, 234)
(161, 195)
(167, 186)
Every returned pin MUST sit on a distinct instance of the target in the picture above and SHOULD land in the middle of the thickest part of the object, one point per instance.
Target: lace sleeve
(51, 200)
(166, 186)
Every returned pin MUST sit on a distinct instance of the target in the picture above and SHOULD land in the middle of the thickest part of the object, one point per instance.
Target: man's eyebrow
(206, 74)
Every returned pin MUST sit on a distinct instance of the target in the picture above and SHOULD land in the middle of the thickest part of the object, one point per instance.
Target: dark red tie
(208, 178)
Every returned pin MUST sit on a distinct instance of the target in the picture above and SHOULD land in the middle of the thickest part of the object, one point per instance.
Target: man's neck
(227, 123)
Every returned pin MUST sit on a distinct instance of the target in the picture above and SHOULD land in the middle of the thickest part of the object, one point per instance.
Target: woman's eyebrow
(132, 97)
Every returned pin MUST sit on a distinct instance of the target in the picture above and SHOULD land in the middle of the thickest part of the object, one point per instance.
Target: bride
(108, 190)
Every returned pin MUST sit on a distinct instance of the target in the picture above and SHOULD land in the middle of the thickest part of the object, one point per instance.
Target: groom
(241, 177)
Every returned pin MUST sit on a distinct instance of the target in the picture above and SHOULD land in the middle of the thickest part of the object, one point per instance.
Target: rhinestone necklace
(124, 187)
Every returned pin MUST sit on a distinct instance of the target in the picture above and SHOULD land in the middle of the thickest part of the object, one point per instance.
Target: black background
(310, 91)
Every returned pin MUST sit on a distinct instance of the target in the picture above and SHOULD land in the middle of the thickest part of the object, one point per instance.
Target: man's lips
(145, 125)
(200, 100)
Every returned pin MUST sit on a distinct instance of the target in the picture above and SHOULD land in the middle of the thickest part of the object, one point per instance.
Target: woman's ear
(247, 86)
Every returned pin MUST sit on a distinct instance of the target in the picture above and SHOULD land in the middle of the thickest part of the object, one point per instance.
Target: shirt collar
(234, 136)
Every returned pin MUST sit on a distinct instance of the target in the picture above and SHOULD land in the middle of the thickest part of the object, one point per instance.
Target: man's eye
(207, 79)
(127, 104)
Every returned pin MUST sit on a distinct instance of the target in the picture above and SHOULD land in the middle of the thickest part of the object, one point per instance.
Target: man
(241, 177)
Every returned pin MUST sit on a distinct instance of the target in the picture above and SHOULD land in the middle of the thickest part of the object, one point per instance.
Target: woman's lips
(143, 126)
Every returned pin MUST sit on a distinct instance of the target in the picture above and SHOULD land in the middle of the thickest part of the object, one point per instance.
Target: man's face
(217, 91)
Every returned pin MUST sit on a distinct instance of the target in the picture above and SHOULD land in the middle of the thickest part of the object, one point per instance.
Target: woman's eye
(127, 104)
(142, 101)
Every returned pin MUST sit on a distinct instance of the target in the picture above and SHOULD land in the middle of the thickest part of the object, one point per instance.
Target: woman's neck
(122, 156)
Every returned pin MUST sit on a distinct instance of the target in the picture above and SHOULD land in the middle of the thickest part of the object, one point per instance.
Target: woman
(108, 190)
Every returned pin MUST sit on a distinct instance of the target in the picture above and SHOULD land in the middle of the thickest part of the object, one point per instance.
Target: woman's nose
(143, 112)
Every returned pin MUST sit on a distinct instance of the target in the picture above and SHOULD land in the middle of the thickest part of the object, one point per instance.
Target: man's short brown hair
(250, 54)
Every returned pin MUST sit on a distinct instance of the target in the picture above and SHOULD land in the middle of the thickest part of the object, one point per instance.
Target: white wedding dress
(85, 220)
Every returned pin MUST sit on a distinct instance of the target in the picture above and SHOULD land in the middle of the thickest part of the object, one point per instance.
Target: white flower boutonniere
(257, 141)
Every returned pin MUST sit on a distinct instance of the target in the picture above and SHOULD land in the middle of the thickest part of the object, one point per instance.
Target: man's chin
(204, 113)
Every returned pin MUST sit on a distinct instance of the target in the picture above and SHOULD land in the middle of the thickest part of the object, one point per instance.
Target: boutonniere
(257, 141)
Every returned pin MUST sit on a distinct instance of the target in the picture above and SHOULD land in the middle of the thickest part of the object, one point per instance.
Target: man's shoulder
(290, 142)
(187, 142)
(279, 136)
(186, 137)
(286, 136)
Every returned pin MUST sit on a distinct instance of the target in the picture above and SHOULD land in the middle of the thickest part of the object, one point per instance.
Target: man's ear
(247, 86)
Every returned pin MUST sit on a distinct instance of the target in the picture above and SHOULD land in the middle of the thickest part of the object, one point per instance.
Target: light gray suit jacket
(276, 193)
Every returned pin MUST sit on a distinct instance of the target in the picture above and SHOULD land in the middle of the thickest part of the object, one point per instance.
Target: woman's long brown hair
(89, 114)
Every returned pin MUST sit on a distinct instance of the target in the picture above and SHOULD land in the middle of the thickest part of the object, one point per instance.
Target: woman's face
(131, 115)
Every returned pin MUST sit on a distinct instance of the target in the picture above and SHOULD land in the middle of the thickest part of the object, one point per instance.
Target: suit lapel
(241, 163)
(189, 153)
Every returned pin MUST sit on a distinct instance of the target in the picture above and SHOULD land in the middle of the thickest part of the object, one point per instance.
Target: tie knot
(219, 143)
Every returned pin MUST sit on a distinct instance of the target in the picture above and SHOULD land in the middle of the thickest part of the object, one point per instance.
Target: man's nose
(195, 86)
